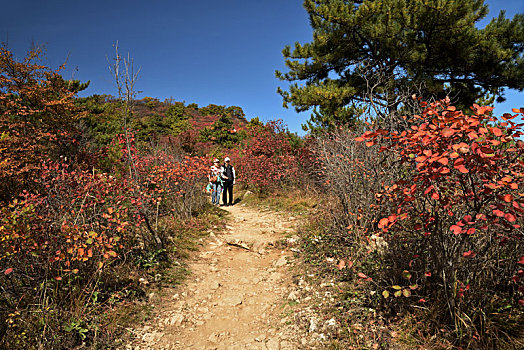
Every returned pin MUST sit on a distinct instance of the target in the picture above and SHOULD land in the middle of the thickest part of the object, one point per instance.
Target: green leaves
(393, 46)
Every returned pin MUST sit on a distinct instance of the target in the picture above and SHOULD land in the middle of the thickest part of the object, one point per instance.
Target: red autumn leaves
(268, 160)
(464, 169)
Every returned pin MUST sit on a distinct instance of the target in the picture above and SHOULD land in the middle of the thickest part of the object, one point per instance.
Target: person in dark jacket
(228, 175)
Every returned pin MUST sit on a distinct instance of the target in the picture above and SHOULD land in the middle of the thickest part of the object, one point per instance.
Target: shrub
(454, 238)
(268, 161)
(37, 120)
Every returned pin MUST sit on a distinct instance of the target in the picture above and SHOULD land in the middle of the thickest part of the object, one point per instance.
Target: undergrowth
(118, 299)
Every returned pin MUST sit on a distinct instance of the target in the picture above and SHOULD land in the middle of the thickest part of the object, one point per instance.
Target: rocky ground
(240, 294)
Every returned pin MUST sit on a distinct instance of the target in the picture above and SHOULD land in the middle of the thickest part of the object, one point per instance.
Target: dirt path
(237, 293)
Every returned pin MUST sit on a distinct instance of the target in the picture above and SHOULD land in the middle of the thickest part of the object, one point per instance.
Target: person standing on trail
(228, 172)
(215, 179)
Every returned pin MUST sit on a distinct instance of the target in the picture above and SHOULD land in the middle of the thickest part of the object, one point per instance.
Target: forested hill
(193, 128)
(149, 108)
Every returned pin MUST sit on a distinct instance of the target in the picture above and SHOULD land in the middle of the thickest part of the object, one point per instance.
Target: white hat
(227, 159)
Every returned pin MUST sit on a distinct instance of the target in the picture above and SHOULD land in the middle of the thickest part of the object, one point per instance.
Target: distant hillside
(194, 129)
(198, 118)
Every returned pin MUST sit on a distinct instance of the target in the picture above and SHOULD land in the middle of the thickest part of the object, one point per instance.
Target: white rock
(313, 324)
(285, 345)
(281, 261)
(261, 338)
(273, 344)
(331, 324)
(176, 320)
(293, 296)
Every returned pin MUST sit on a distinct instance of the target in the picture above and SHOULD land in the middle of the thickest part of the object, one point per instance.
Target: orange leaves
(469, 254)
(482, 110)
(443, 161)
(456, 229)
(510, 217)
(496, 131)
(461, 185)
(498, 213)
(461, 147)
(447, 132)
(110, 254)
(462, 169)
(385, 223)
(472, 135)
(361, 275)
(342, 264)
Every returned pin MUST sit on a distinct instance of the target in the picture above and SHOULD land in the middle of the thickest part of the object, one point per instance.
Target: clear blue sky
(222, 52)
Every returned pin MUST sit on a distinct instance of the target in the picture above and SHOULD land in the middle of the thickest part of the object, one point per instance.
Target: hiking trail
(236, 294)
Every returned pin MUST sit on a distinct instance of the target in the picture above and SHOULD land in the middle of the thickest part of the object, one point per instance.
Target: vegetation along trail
(236, 292)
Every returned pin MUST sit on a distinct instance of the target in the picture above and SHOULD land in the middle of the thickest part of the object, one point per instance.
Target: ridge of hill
(198, 118)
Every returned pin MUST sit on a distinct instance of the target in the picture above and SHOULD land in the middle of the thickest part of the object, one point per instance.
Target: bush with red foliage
(454, 237)
(268, 161)
(66, 230)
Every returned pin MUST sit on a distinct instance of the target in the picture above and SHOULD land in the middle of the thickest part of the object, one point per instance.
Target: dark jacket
(229, 171)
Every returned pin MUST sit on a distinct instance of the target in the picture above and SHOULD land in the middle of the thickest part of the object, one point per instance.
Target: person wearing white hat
(228, 172)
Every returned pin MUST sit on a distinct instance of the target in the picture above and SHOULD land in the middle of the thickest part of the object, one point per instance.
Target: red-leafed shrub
(82, 225)
(268, 161)
(454, 238)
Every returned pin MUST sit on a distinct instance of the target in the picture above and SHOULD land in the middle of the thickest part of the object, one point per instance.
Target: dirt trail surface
(236, 295)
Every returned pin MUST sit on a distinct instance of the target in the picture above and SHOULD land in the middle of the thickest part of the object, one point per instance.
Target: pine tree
(374, 54)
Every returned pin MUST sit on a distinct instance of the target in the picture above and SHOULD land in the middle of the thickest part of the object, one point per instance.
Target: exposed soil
(238, 293)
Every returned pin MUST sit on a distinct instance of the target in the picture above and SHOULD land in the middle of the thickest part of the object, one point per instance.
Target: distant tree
(213, 109)
(76, 86)
(103, 121)
(192, 106)
(221, 132)
(236, 112)
(177, 119)
(254, 122)
(376, 53)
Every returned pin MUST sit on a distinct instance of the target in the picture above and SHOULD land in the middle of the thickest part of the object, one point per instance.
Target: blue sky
(222, 52)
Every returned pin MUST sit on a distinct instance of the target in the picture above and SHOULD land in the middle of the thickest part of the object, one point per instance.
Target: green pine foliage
(375, 54)
(103, 121)
(177, 119)
(221, 132)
